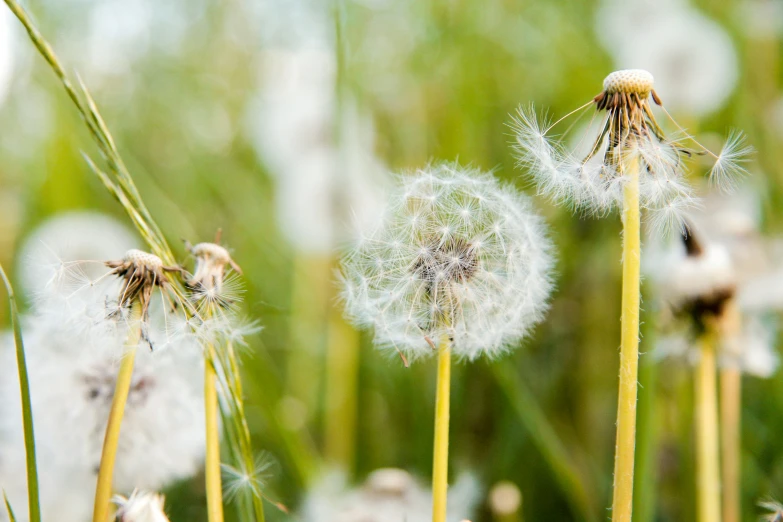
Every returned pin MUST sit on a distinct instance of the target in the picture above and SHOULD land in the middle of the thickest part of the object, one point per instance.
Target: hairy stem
(622, 498)
(707, 472)
(212, 463)
(103, 489)
(440, 459)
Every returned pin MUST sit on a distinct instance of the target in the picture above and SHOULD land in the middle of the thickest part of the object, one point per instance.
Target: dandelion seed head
(140, 506)
(636, 81)
(483, 281)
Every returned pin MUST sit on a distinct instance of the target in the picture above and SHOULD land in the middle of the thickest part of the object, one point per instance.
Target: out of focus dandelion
(632, 165)
(460, 265)
(140, 506)
(692, 56)
(387, 495)
(505, 502)
(701, 280)
(73, 372)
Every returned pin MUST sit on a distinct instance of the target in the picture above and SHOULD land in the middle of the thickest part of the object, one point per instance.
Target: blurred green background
(179, 84)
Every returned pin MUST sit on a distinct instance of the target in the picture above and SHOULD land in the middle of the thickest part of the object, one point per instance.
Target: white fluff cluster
(693, 57)
(140, 507)
(320, 152)
(388, 495)
(458, 255)
(72, 373)
(682, 277)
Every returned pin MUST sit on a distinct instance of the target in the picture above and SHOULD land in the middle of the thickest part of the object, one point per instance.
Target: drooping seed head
(141, 272)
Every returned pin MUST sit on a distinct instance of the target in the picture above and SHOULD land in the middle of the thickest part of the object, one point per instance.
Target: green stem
(33, 499)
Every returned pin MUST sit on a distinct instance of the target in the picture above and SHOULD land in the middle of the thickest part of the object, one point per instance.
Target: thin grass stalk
(622, 497)
(33, 496)
(440, 459)
(214, 486)
(342, 367)
(8, 508)
(103, 488)
(707, 469)
(547, 441)
(730, 418)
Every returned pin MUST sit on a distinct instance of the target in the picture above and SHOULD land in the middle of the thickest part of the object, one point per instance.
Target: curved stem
(103, 489)
(707, 472)
(440, 460)
(212, 463)
(622, 498)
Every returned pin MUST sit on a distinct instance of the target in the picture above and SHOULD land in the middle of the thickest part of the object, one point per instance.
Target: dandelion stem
(730, 399)
(212, 462)
(707, 472)
(103, 489)
(440, 460)
(34, 506)
(342, 362)
(622, 499)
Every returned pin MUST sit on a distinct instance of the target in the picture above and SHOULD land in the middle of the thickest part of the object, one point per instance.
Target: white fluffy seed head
(629, 81)
(458, 256)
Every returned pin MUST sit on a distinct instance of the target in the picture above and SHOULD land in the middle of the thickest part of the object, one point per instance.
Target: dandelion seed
(140, 507)
(482, 280)
(628, 132)
(775, 509)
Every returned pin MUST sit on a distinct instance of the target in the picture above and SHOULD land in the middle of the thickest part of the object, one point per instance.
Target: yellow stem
(730, 395)
(103, 489)
(212, 464)
(440, 460)
(707, 472)
(622, 498)
(342, 364)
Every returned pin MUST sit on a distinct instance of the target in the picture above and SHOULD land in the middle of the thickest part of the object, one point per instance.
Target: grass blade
(34, 504)
(11, 516)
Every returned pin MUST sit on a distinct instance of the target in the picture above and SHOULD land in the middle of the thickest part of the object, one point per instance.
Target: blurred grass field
(177, 82)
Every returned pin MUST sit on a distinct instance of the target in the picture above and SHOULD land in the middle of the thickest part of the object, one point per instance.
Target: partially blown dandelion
(628, 132)
(140, 507)
(460, 264)
(632, 165)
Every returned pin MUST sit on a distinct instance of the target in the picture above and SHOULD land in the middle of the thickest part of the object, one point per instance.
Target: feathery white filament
(457, 255)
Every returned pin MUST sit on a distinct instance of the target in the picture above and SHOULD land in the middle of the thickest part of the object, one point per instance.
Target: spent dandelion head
(140, 506)
(628, 132)
(212, 283)
(457, 255)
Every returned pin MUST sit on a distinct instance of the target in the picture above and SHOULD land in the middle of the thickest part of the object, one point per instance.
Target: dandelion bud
(140, 507)
(458, 255)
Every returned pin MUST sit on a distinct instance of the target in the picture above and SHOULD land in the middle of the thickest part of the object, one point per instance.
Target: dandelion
(460, 265)
(387, 495)
(702, 281)
(632, 165)
(140, 507)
